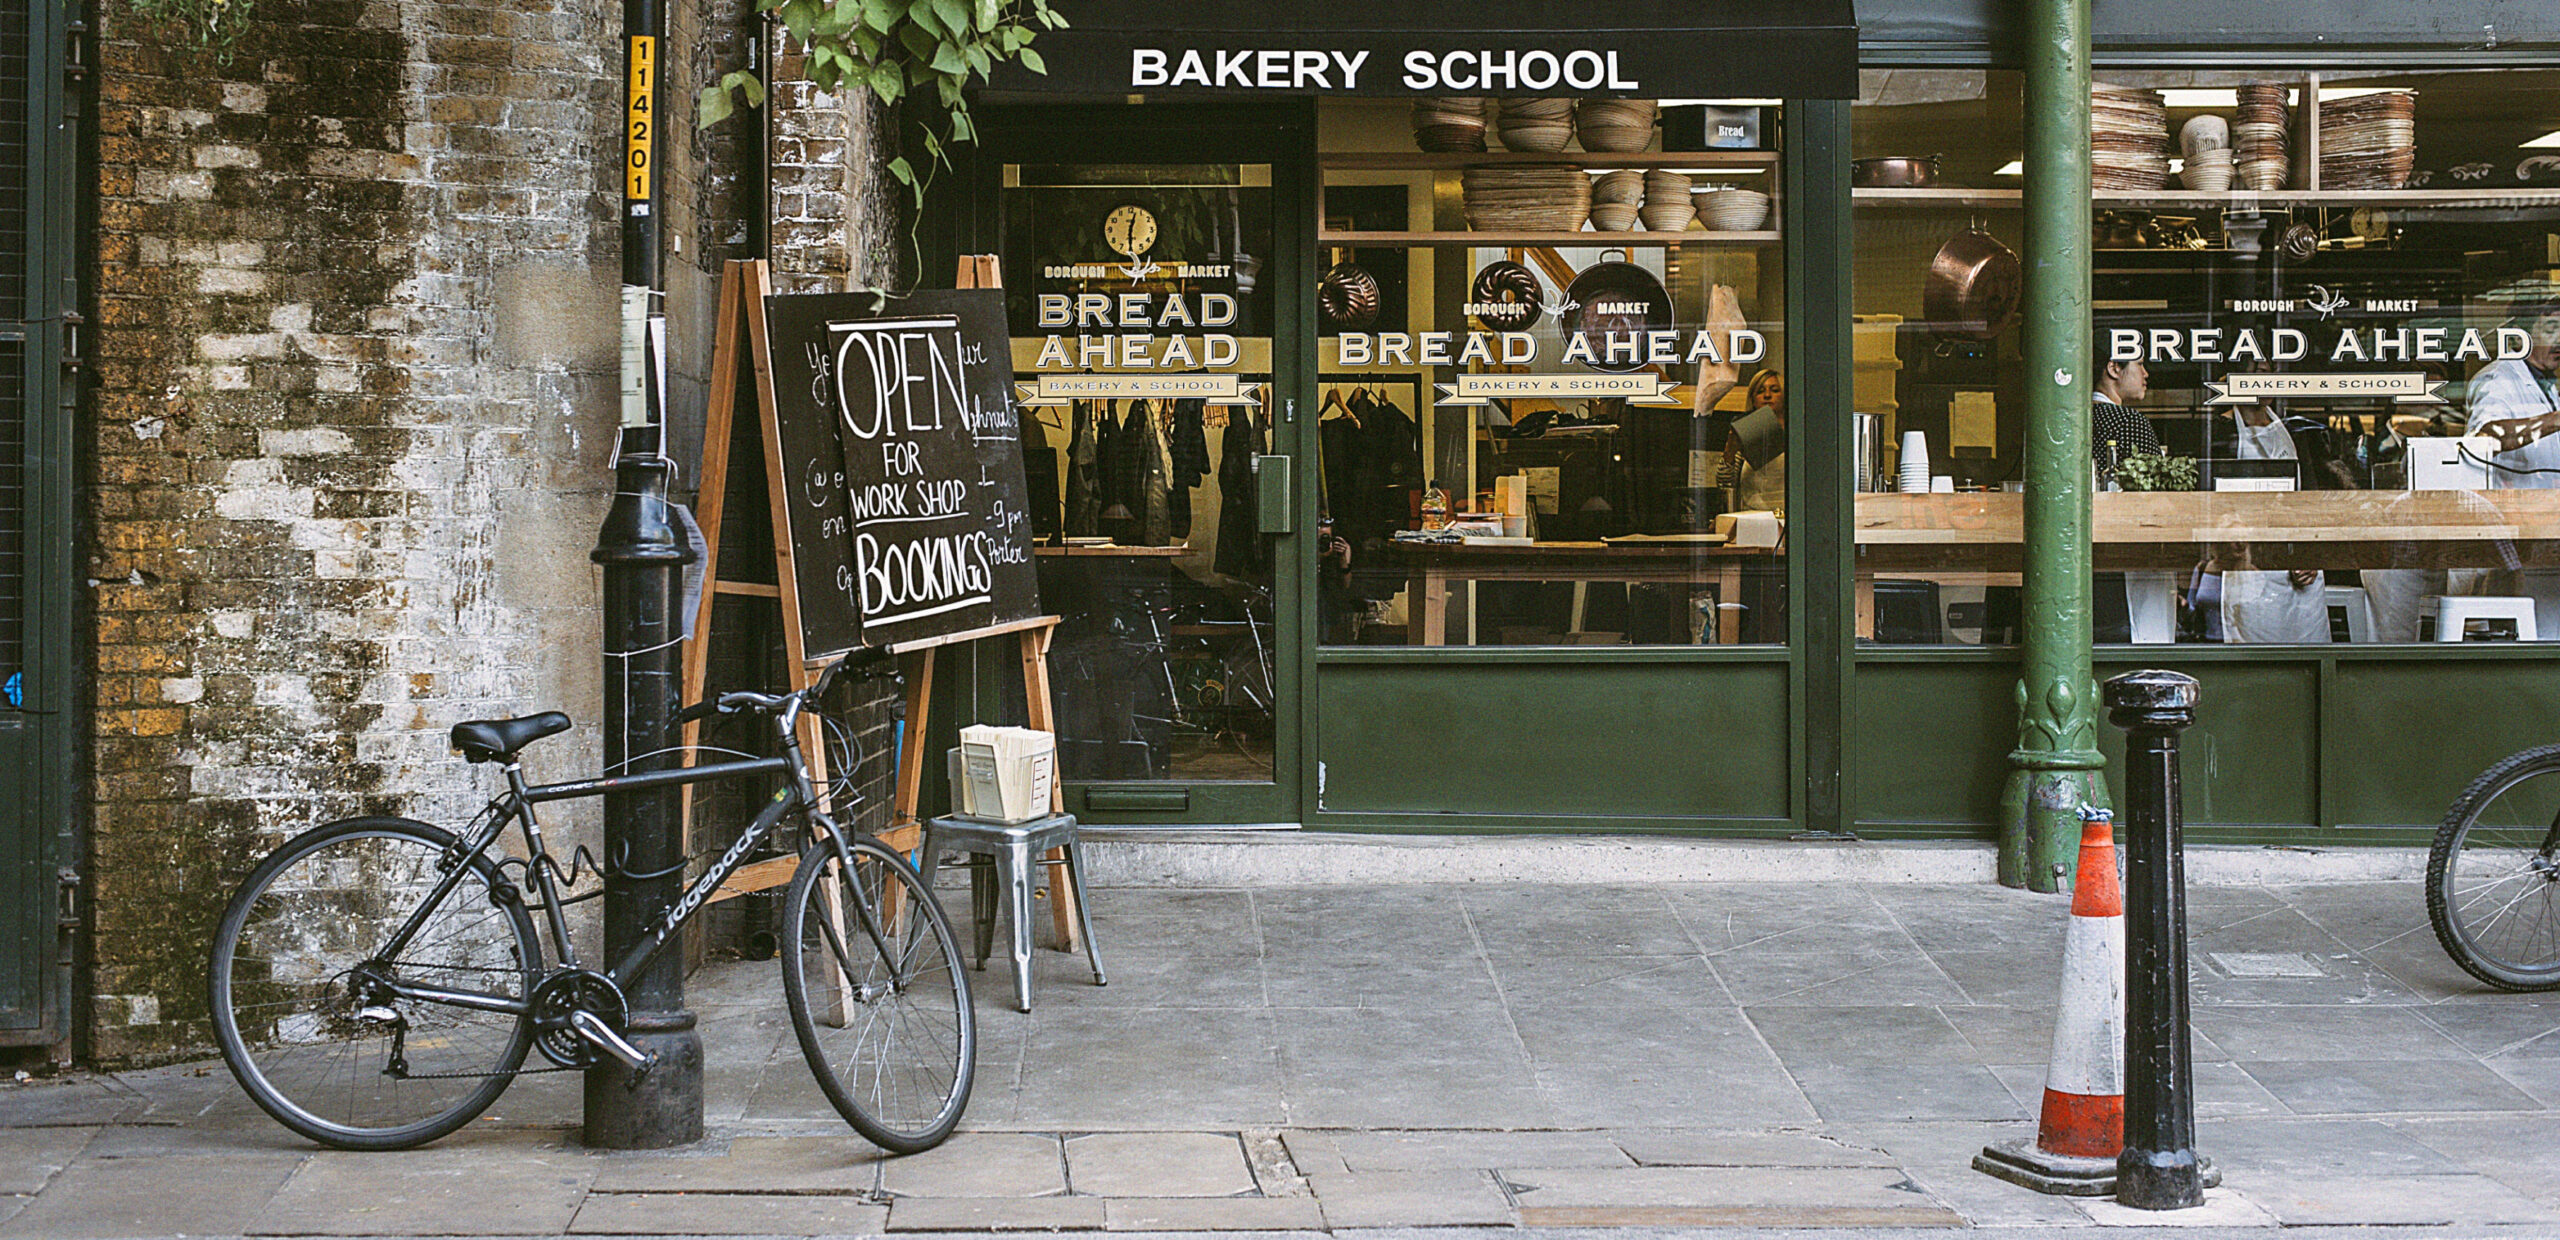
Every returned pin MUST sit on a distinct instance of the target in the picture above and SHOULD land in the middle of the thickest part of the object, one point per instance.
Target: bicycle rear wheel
(297, 997)
(886, 1023)
(2493, 883)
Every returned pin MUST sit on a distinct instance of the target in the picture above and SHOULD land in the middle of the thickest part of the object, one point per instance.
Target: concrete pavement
(1738, 1055)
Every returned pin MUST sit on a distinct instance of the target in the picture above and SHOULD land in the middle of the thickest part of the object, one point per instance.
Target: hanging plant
(897, 50)
(212, 26)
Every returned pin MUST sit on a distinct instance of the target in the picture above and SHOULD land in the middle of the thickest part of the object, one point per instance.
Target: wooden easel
(744, 284)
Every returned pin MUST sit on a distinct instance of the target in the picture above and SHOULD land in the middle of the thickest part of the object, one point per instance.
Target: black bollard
(2159, 1169)
(642, 556)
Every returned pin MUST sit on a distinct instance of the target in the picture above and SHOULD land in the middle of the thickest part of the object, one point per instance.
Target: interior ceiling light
(2550, 139)
(2018, 168)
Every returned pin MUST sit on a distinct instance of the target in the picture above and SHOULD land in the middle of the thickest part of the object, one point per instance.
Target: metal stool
(1014, 847)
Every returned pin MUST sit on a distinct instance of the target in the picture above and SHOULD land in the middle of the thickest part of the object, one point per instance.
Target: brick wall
(353, 407)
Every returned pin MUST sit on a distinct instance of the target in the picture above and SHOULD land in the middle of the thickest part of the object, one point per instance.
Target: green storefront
(1287, 285)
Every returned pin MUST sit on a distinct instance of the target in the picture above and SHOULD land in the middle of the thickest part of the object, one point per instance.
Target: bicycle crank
(577, 1016)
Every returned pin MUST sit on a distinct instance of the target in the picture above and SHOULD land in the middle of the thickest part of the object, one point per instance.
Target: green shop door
(1152, 268)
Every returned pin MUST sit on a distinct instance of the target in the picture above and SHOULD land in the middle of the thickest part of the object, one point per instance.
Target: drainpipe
(2055, 768)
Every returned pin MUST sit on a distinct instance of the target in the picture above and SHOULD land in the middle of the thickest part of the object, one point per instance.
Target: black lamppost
(642, 554)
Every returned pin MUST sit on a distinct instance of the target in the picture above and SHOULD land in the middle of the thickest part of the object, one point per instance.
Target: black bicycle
(377, 982)
(2493, 877)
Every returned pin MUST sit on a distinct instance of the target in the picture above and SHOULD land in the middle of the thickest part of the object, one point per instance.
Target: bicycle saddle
(489, 740)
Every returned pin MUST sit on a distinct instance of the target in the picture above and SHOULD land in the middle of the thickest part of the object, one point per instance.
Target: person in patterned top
(2117, 429)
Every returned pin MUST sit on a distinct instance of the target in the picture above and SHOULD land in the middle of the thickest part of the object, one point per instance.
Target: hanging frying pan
(1973, 288)
(1616, 297)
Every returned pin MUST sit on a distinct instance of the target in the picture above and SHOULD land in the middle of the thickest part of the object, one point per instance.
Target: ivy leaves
(899, 49)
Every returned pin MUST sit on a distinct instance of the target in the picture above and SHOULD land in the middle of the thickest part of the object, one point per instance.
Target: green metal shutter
(36, 718)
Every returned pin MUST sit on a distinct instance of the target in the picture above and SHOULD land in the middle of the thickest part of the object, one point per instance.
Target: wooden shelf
(2009, 199)
(1589, 239)
(1579, 159)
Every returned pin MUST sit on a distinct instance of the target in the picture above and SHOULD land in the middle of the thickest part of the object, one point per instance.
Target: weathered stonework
(353, 399)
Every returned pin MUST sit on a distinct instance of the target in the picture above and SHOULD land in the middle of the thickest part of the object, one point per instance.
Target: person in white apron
(2517, 401)
(2269, 605)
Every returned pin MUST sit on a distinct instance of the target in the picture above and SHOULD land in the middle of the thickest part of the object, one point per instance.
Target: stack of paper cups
(1914, 476)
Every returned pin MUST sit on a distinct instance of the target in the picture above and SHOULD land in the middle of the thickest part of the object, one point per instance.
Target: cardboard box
(1006, 774)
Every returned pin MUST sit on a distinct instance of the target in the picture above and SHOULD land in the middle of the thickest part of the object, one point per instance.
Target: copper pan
(1974, 286)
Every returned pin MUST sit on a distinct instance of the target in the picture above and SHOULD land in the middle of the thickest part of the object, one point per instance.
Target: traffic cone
(2082, 1129)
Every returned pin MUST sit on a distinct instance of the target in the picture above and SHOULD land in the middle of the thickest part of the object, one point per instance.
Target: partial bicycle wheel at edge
(296, 1004)
(889, 1035)
(2493, 882)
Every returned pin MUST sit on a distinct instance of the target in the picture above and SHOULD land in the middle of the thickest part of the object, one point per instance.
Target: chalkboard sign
(902, 458)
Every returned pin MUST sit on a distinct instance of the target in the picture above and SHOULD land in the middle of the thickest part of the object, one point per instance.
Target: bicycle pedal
(592, 1027)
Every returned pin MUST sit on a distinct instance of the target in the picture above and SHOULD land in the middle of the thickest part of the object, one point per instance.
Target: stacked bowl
(1445, 123)
(2128, 139)
(2207, 143)
(1615, 196)
(1536, 124)
(1615, 124)
(1526, 198)
(2261, 152)
(1731, 208)
(2369, 141)
(1666, 201)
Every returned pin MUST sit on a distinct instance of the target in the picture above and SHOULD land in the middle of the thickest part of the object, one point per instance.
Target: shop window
(1551, 373)
(2327, 309)
(1144, 346)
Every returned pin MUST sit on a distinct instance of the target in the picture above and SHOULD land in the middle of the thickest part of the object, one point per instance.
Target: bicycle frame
(517, 804)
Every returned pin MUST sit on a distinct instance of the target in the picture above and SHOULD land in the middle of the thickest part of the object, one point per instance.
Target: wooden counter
(2176, 529)
(1431, 567)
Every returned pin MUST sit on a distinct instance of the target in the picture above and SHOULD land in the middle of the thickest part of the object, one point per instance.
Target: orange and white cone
(2082, 1128)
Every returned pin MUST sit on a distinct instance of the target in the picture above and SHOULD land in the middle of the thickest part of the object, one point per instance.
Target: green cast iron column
(2056, 764)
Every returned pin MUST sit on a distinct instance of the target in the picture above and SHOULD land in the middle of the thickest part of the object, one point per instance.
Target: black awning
(1655, 49)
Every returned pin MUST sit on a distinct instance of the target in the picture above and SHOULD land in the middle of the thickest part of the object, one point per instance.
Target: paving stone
(1362, 1152)
(1158, 1164)
(152, 1197)
(810, 1165)
(10, 1206)
(74, 1100)
(1274, 1173)
(30, 1156)
(2360, 1201)
(1743, 1149)
(1411, 1199)
(2258, 1034)
(979, 1164)
(2223, 1207)
(2314, 1147)
(1312, 1151)
(995, 1213)
(2515, 1150)
(2523, 1031)
(432, 1191)
(1417, 1065)
(1202, 1069)
(726, 1214)
(1764, 1196)
(1213, 1214)
(2538, 1077)
(2366, 1087)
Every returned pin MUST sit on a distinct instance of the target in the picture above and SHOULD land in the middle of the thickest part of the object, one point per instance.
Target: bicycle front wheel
(2493, 883)
(878, 996)
(300, 997)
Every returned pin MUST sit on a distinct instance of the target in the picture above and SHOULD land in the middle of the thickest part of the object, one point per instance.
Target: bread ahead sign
(1641, 48)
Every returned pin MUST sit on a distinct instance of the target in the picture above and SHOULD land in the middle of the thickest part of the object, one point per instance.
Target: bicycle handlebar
(731, 703)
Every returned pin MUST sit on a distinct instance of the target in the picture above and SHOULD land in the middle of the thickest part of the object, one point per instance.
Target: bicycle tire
(285, 1005)
(2493, 894)
(900, 1065)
